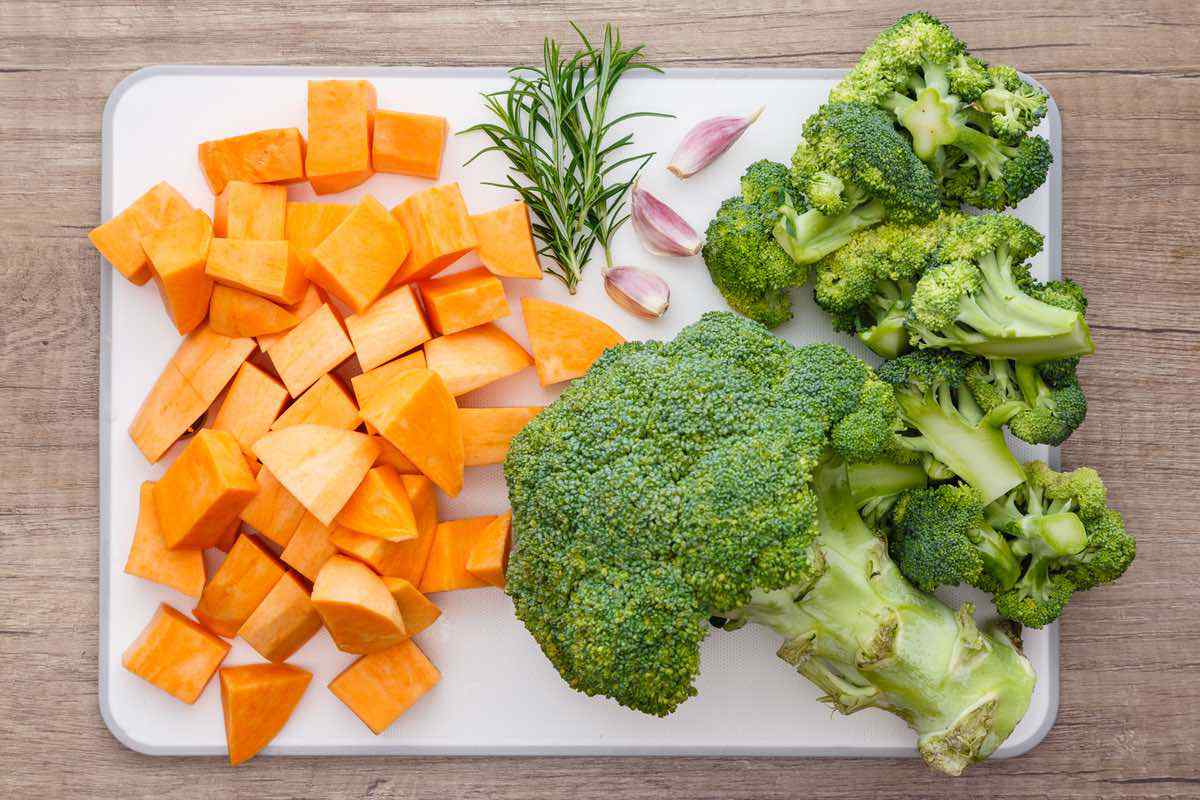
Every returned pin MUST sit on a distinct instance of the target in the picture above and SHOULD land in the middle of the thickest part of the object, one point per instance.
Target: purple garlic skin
(708, 140)
(639, 292)
(662, 231)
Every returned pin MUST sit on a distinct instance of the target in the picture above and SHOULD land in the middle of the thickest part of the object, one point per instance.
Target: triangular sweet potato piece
(233, 312)
(319, 466)
(380, 507)
(359, 611)
(564, 340)
(471, 359)
(258, 700)
(150, 558)
(416, 609)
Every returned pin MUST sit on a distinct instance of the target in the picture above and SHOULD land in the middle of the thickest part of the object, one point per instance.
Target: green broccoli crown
(663, 487)
(926, 371)
(767, 185)
(1015, 106)
(1037, 410)
(995, 175)
(976, 238)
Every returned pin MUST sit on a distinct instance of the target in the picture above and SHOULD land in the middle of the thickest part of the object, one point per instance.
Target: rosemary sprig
(552, 125)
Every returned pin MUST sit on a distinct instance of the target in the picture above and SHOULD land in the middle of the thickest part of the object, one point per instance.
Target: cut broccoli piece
(1036, 408)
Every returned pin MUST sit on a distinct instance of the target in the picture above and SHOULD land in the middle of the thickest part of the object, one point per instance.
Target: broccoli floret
(971, 123)
(1040, 403)
(973, 301)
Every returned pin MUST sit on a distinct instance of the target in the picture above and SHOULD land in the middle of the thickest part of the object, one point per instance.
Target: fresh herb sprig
(553, 127)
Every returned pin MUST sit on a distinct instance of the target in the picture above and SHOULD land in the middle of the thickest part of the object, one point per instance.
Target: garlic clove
(709, 139)
(662, 231)
(638, 291)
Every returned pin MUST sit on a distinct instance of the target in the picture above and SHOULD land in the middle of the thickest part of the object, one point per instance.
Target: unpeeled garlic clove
(662, 231)
(638, 291)
(703, 143)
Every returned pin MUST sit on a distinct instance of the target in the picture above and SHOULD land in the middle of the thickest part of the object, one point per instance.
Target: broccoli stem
(867, 638)
(873, 479)
(999, 561)
(810, 236)
(888, 338)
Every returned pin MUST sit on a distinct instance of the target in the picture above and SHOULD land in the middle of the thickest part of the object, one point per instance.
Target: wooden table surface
(1126, 75)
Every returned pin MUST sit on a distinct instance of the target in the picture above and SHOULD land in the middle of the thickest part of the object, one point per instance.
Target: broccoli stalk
(877, 485)
(809, 236)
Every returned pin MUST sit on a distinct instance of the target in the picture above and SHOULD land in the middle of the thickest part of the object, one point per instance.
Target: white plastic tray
(498, 694)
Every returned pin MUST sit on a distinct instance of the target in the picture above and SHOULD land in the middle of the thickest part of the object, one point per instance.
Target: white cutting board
(498, 694)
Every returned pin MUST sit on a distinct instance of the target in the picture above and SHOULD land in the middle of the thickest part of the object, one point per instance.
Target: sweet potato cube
(257, 700)
(232, 312)
(308, 224)
(487, 432)
(390, 455)
(357, 259)
(488, 560)
(341, 115)
(380, 506)
(446, 569)
(417, 413)
(273, 512)
(397, 559)
(380, 687)
(203, 491)
(261, 267)
(252, 403)
(309, 548)
(327, 402)
(120, 239)
(175, 654)
(415, 608)
(464, 300)
(368, 383)
(245, 577)
(311, 349)
(506, 245)
(320, 466)
(283, 621)
(150, 558)
(250, 211)
(408, 144)
(177, 253)
(271, 156)
(313, 299)
(565, 341)
(357, 607)
(392, 325)
(471, 359)
(439, 231)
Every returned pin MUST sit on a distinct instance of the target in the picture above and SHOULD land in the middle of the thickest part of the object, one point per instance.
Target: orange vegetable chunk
(506, 245)
(177, 253)
(487, 432)
(257, 700)
(488, 559)
(357, 259)
(418, 414)
(446, 569)
(313, 299)
(150, 558)
(309, 548)
(564, 340)
(271, 156)
(439, 231)
(250, 211)
(175, 654)
(318, 465)
(380, 687)
(397, 559)
(120, 239)
(232, 312)
(252, 403)
(203, 491)
(368, 383)
(380, 506)
(308, 224)
(273, 512)
(390, 454)
(464, 300)
(245, 577)
(311, 349)
(341, 115)
(415, 608)
(408, 144)
(471, 359)
(357, 607)
(283, 622)
(264, 268)
(392, 325)
(327, 402)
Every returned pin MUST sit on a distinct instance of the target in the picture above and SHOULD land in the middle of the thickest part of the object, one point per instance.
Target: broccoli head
(1040, 403)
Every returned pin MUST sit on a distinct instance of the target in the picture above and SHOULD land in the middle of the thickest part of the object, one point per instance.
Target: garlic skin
(639, 292)
(707, 140)
(662, 231)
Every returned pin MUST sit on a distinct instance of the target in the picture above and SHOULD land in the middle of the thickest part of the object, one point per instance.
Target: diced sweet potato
(283, 622)
(488, 560)
(390, 455)
(355, 262)
(439, 231)
(150, 558)
(232, 312)
(264, 268)
(320, 466)
(380, 687)
(309, 548)
(397, 559)
(257, 700)
(357, 607)
(311, 349)
(565, 341)
(506, 245)
(464, 300)
(416, 609)
(175, 654)
(314, 298)
(177, 253)
(307, 226)
(273, 512)
(250, 211)
(341, 115)
(245, 577)
(471, 359)
(392, 325)
(408, 144)
(120, 239)
(446, 569)
(380, 506)
(270, 156)
(203, 491)
(252, 403)
(417, 414)
(487, 432)
(327, 402)
(374, 380)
